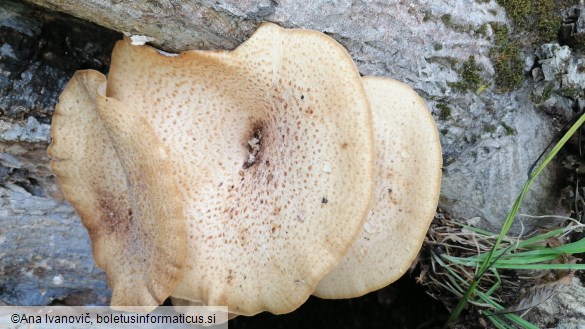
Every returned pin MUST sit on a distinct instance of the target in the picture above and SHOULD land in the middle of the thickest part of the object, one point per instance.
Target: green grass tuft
(505, 252)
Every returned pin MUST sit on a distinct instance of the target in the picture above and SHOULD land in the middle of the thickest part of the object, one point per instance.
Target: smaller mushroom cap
(408, 180)
(115, 173)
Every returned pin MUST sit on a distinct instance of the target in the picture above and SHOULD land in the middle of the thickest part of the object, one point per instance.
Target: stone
(554, 60)
(559, 78)
(565, 309)
(537, 74)
(528, 63)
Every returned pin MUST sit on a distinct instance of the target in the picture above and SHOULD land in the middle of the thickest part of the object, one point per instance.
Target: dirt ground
(403, 304)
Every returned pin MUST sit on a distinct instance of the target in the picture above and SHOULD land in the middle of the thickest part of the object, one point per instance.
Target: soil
(403, 304)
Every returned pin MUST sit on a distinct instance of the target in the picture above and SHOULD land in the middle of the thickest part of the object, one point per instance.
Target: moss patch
(535, 22)
(569, 92)
(482, 30)
(427, 15)
(509, 130)
(546, 93)
(505, 56)
(541, 16)
(470, 77)
(489, 129)
(444, 111)
(447, 20)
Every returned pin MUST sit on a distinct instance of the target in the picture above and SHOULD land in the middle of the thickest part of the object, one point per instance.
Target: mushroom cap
(185, 304)
(272, 144)
(118, 187)
(408, 182)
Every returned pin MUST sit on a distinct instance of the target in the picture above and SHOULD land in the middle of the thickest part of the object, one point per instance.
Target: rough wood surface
(175, 25)
(45, 256)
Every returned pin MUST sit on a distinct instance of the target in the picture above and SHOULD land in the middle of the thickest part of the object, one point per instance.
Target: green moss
(427, 15)
(541, 16)
(448, 21)
(482, 30)
(509, 130)
(444, 131)
(505, 56)
(470, 77)
(470, 73)
(535, 22)
(517, 10)
(569, 92)
(444, 111)
(489, 129)
(547, 92)
(437, 46)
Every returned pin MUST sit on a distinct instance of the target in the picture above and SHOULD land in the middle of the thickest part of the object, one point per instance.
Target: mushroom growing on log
(242, 178)
(253, 141)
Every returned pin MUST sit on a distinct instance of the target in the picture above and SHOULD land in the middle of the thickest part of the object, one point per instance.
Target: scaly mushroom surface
(116, 173)
(270, 151)
(408, 178)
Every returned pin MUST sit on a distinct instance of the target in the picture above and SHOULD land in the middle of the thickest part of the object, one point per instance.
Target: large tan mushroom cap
(407, 190)
(181, 305)
(272, 144)
(119, 189)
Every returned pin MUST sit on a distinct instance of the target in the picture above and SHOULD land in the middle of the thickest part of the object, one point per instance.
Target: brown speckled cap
(115, 172)
(271, 150)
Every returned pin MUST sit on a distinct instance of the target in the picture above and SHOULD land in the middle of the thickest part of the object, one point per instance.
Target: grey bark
(45, 255)
(489, 139)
